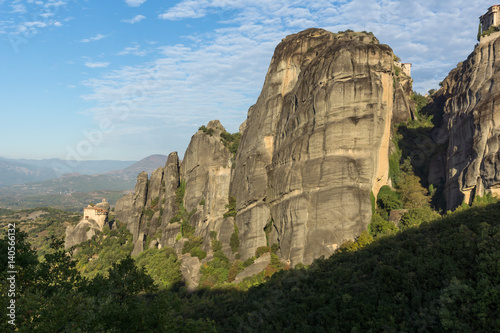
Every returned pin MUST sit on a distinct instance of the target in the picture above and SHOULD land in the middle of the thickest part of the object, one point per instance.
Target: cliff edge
(469, 100)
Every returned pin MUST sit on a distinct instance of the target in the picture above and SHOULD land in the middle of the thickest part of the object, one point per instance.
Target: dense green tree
(388, 200)
(162, 265)
(418, 215)
(381, 227)
(412, 193)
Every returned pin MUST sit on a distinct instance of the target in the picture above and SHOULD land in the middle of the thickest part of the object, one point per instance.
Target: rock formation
(471, 124)
(313, 147)
(95, 217)
(150, 211)
(316, 144)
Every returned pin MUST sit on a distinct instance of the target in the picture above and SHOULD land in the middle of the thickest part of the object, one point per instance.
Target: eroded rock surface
(206, 170)
(471, 123)
(313, 147)
(258, 266)
(316, 143)
(205, 174)
(190, 270)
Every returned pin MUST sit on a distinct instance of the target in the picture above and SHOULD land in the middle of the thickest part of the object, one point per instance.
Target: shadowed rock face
(130, 210)
(471, 122)
(206, 169)
(148, 209)
(316, 143)
(82, 232)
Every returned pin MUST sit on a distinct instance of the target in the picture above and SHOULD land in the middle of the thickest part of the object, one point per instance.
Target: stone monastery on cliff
(491, 18)
(95, 217)
(98, 213)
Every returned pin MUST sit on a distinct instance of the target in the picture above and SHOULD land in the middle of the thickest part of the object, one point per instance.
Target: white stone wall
(491, 17)
(91, 213)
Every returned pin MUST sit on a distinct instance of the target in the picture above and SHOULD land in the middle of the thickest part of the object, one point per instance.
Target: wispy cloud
(93, 39)
(96, 64)
(219, 74)
(187, 9)
(32, 28)
(134, 3)
(134, 50)
(18, 8)
(28, 18)
(53, 3)
(135, 19)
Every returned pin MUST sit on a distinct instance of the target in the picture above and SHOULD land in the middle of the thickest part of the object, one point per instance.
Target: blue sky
(128, 78)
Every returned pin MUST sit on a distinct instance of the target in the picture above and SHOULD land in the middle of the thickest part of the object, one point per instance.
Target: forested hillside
(40, 224)
(440, 276)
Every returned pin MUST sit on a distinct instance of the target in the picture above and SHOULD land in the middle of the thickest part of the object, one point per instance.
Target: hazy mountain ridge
(21, 171)
(73, 191)
(148, 164)
(13, 172)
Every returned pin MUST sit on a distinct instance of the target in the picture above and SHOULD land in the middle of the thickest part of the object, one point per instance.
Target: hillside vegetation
(442, 276)
(427, 271)
(40, 224)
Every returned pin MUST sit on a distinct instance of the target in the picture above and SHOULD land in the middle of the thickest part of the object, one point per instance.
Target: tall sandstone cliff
(316, 144)
(470, 102)
(313, 148)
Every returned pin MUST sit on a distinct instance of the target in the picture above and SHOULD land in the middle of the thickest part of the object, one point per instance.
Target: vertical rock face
(471, 122)
(171, 181)
(315, 144)
(148, 210)
(312, 149)
(249, 184)
(206, 169)
(130, 210)
(170, 184)
(205, 172)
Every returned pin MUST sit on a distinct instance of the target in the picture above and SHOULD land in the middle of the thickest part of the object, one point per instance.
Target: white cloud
(96, 64)
(186, 9)
(134, 3)
(46, 15)
(52, 3)
(19, 8)
(219, 74)
(135, 19)
(37, 24)
(34, 27)
(92, 39)
(134, 50)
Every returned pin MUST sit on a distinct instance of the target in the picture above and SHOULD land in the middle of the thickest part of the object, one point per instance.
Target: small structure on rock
(95, 217)
(98, 213)
(491, 18)
(405, 67)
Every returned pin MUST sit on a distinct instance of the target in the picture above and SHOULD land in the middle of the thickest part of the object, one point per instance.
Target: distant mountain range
(148, 164)
(14, 172)
(22, 171)
(31, 183)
